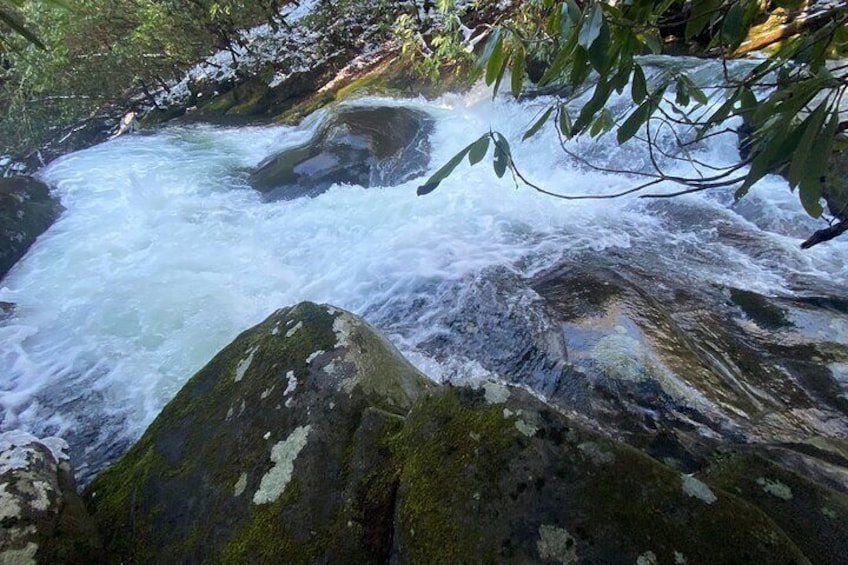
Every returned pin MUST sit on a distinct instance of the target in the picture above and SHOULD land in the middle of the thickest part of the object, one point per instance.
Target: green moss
(449, 448)
(359, 531)
(723, 529)
(249, 98)
(266, 538)
(393, 76)
(801, 507)
(116, 500)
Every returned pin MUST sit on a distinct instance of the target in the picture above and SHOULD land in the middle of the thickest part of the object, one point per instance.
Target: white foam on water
(165, 254)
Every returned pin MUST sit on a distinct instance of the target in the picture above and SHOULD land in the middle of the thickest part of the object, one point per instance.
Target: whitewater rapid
(164, 254)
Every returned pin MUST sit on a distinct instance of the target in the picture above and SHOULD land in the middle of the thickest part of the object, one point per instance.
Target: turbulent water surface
(165, 253)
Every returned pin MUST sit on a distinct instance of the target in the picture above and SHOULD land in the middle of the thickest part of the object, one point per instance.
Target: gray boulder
(26, 211)
(365, 146)
(42, 519)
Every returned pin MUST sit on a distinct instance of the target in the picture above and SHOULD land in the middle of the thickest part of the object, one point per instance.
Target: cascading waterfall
(165, 253)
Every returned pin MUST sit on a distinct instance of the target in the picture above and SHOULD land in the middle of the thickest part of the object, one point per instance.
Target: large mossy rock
(815, 516)
(310, 439)
(26, 211)
(269, 452)
(42, 519)
(365, 146)
(494, 475)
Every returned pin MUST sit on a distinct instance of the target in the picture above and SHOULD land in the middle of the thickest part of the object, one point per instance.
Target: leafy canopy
(788, 102)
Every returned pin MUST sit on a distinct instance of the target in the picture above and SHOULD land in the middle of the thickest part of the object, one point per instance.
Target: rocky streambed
(618, 381)
(311, 439)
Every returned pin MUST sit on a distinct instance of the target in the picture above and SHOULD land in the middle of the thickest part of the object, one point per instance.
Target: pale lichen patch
(342, 327)
(697, 489)
(240, 486)
(291, 385)
(17, 449)
(556, 544)
(16, 534)
(647, 558)
(525, 428)
(594, 451)
(25, 556)
(775, 488)
(9, 507)
(314, 356)
(293, 330)
(283, 455)
(40, 493)
(679, 558)
(831, 514)
(244, 364)
(267, 392)
(495, 393)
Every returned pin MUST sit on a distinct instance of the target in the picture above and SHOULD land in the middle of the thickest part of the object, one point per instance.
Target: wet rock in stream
(365, 146)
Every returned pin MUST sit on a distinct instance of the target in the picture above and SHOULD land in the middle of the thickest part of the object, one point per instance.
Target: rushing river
(164, 254)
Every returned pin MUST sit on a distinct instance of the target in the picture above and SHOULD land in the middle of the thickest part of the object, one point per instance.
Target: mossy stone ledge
(310, 439)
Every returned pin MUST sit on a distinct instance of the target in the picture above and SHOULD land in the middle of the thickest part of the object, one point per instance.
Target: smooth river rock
(365, 146)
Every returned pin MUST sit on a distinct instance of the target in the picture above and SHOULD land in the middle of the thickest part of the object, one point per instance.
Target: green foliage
(789, 102)
(434, 43)
(87, 55)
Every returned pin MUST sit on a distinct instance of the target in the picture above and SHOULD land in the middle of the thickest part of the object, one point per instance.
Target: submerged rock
(26, 211)
(6, 309)
(681, 370)
(42, 519)
(366, 146)
(310, 439)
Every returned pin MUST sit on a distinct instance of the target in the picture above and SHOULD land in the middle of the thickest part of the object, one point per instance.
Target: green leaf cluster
(789, 103)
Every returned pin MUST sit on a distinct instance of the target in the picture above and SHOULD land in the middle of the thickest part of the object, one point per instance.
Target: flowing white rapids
(164, 254)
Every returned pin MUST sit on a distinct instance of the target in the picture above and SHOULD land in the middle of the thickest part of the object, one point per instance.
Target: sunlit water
(164, 254)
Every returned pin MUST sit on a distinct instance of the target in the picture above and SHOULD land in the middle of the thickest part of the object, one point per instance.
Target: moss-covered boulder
(814, 515)
(495, 475)
(26, 211)
(42, 519)
(366, 146)
(276, 451)
(310, 439)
